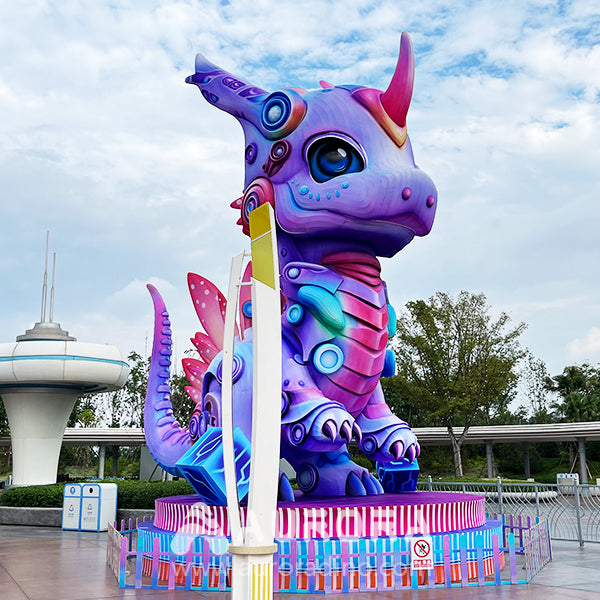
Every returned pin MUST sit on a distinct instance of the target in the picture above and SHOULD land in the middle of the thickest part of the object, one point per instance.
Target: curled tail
(166, 439)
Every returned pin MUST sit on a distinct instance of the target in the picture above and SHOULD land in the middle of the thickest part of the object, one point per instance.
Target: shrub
(130, 494)
(45, 496)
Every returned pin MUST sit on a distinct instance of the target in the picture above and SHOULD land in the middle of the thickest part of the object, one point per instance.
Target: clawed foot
(317, 424)
(285, 491)
(334, 474)
(387, 440)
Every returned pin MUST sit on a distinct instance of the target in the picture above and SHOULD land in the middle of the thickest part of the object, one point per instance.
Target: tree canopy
(578, 388)
(456, 363)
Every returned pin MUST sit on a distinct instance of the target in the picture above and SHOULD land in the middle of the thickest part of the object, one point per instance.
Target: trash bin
(89, 506)
(98, 506)
(71, 506)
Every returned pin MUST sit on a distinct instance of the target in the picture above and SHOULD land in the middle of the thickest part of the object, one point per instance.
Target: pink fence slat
(327, 560)
(464, 569)
(512, 558)
(171, 576)
(496, 553)
(189, 563)
(311, 566)
(139, 562)
(155, 558)
(447, 562)
(205, 545)
(362, 563)
(520, 531)
(123, 562)
(345, 569)
(293, 567)
(379, 565)
(479, 552)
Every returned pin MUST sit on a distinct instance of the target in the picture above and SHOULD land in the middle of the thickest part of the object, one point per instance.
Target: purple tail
(166, 439)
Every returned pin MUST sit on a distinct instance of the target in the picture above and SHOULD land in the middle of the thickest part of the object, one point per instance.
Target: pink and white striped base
(387, 515)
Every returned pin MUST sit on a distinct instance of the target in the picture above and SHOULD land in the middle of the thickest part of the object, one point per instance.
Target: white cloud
(103, 143)
(586, 348)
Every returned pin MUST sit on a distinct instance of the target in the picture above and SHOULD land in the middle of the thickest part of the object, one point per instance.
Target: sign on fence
(421, 554)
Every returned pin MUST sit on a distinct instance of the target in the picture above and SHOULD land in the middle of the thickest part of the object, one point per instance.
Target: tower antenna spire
(52, 288)
(45, 285)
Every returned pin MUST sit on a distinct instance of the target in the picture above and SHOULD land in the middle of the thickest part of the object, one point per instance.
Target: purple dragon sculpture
(337, 166)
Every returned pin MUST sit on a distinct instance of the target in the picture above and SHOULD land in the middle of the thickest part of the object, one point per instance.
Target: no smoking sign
(421, 554)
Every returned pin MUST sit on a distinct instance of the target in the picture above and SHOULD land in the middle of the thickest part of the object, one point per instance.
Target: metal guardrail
(572, 510)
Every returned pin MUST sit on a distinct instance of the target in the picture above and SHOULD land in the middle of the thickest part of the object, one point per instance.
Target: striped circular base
(415, 513)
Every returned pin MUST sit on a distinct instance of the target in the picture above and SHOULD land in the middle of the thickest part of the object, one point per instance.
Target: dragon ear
(238, 98)
(396, 99)
(274, 115)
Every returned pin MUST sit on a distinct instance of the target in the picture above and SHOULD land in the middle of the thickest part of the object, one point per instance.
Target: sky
(104, 145)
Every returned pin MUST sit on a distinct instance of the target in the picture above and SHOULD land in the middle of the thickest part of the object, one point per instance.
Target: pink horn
(396, 99)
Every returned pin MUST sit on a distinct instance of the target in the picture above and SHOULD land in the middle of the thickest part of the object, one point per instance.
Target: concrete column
(526, 460)
(490, 458)
(115, 457)
(101, 456)
(582, 461)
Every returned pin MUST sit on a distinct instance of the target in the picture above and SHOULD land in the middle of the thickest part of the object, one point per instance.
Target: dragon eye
(331, 157)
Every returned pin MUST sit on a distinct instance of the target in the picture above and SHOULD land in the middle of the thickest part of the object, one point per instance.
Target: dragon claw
(346, 431)
(330, 429)
(397, 449)
(285, 491)
(411, 452)
(354, 485)
(356, 432)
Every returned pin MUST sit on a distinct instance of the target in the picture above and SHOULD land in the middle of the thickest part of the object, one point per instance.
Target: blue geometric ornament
(202, 466)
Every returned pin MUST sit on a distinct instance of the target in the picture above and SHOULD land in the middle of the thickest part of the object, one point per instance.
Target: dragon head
(335, 162)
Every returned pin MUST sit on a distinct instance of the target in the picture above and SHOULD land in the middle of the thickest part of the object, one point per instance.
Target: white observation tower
(41, 377)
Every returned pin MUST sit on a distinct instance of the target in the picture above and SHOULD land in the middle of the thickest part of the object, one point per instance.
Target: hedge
(131, 494)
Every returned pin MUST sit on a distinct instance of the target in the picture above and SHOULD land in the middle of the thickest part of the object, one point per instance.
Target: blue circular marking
(328, 196)
(294, 314)
(318, 196)
(345, 184)
(247, 309)
(337, 193)
(304, 190)
(293, 272)
(310, 195)
(328, 358)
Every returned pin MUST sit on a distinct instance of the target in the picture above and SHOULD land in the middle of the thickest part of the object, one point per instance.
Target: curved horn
(396, 99)
(166, 439)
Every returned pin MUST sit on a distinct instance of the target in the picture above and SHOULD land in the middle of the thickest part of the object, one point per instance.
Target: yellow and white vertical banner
(252, 567)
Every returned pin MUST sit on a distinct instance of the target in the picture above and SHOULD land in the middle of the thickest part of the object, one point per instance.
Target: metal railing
(572, 510)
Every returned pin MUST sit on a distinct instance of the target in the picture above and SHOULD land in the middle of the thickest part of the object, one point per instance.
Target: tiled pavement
(49, 564)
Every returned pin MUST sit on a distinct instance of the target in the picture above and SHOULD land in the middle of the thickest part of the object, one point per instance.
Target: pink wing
(204, 346)
(194, 370)
(210, 307)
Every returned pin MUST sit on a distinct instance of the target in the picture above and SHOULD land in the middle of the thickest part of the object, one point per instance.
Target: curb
(52, 517)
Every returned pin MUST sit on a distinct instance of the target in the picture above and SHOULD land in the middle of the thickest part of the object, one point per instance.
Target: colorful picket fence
(337, 565)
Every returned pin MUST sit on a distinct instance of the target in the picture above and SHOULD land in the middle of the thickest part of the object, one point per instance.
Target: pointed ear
(275, 115)
(238, 98)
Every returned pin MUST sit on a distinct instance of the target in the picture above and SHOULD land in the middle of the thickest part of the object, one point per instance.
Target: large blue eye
(331, 157)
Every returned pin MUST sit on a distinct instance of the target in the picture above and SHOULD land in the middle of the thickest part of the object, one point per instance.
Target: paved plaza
(38, 563)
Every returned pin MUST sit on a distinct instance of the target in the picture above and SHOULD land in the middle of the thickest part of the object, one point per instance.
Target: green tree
(456, 362)
(536, 378)
(578, 388)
